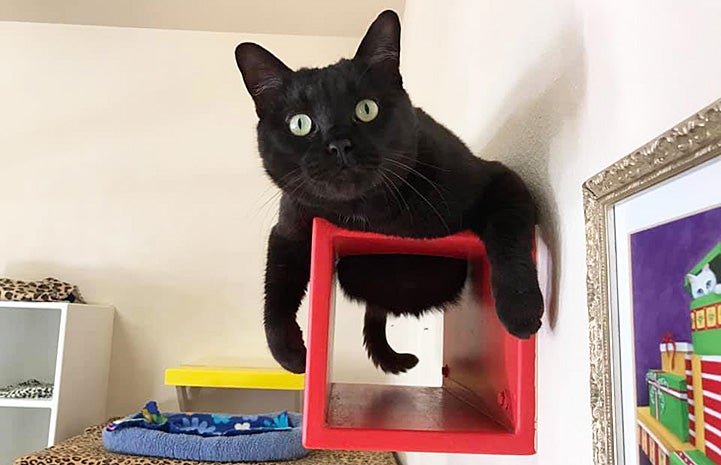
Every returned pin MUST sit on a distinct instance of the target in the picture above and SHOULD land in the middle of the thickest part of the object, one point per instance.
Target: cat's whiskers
(435, 186)
(408, 157)
(392, 189)
(435, 210)
(274, 185)
(400, 194)
(419, 174)
(269, 200)
(296, 188)
(277, 193)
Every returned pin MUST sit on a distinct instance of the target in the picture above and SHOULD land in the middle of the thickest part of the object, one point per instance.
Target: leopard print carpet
(87, 449)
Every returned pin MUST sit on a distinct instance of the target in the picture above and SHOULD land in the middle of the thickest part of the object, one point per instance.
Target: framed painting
(653, 239)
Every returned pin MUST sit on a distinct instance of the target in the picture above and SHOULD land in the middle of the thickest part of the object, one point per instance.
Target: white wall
(349, 19)
(129, 167)
(560, 89)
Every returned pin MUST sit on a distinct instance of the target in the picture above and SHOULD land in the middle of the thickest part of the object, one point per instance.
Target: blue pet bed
(207, 437)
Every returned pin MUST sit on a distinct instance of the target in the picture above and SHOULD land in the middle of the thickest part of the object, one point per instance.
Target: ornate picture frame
(688, 146)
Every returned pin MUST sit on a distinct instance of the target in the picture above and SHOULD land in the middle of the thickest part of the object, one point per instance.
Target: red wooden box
(487, 402)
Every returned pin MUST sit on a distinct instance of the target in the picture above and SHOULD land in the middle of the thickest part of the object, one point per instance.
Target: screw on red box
(481, 360)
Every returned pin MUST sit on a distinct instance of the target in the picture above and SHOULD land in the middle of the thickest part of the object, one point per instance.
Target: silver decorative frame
(689, 144)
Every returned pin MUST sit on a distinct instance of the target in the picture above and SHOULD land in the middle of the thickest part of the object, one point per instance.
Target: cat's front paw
(520, 311)
(285, 341)
(395, 363)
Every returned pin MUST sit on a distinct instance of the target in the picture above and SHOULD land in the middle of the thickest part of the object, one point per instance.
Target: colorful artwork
(676, 291)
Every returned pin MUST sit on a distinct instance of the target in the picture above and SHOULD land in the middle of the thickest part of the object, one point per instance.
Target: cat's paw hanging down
(520, 311)
(380, 352)
(285, 341)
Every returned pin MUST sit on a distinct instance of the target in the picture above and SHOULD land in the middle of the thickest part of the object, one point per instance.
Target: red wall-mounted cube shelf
(487, 402)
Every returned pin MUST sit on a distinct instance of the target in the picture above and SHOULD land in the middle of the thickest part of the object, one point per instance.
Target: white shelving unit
(63, 343)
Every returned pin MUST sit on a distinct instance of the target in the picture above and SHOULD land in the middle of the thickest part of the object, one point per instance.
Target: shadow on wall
(540, 111)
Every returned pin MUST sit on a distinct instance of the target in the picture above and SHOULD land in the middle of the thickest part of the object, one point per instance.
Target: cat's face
(703, 283)
(335, 133)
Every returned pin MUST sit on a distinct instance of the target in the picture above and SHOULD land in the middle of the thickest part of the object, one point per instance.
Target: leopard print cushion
(30, 389)
(45, 290)
(87, 449)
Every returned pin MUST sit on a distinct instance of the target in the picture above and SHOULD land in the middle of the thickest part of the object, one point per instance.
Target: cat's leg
(380, 352)
(286, 279)
(505, 219)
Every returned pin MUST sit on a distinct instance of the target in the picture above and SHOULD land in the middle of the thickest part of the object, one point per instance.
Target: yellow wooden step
(237, 377)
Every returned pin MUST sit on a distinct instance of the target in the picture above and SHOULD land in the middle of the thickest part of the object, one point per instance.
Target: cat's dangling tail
(379, 351)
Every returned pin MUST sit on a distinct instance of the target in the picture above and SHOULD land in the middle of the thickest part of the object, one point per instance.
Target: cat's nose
(340, 148)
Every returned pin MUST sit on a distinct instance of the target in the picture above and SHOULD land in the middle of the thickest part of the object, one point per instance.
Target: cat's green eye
(300, 124)
(366, 110)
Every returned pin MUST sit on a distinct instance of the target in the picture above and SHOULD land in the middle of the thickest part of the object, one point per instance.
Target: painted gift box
(703, 380)
(707, 403)
(706, 324)
(667, 401)
(673, 356)
(694, 393)
(690, 457)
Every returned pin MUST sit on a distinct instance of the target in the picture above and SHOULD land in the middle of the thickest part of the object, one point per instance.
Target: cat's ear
(381, 46)
(263, 73)
(706, 267)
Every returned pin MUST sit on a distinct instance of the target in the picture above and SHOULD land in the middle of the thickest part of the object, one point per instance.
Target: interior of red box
(473, 396)
(378, 407)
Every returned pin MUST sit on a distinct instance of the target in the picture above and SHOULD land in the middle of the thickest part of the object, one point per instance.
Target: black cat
(345, 143)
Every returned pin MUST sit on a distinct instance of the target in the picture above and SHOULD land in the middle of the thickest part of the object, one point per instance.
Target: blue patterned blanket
(201, 424)
(207, 437)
